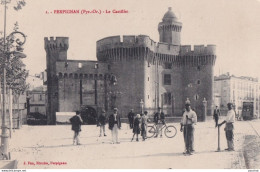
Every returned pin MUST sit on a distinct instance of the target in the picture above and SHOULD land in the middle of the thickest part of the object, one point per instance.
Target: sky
(232, 25)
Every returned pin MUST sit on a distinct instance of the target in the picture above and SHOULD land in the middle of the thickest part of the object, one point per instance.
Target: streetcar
(248, 110)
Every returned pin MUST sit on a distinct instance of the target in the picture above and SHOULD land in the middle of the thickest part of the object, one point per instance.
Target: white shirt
(191, 115)
(230, 116)
(115, 114)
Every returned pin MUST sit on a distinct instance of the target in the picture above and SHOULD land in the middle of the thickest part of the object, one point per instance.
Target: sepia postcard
(130, 84)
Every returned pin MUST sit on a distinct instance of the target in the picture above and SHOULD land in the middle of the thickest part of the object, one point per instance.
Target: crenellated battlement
(127, 48)
(125, 41)
(160, 47)
(58, 43)
(120, 47)
(186, 50)
(165, 48)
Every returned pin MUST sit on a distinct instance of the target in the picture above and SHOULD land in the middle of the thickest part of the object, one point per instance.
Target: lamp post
(12, 48)
(7, 54)
(204, 109)
(142, 105)
(110, 83)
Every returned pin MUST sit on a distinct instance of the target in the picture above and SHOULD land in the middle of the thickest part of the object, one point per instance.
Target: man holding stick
(230, 119)
(188, 120)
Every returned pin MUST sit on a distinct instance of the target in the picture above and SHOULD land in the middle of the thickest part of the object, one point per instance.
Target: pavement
(50, 147)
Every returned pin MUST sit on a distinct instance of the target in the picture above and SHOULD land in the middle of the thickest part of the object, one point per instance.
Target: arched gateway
(88, 115)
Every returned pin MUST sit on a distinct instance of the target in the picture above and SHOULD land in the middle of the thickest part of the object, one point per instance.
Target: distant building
(36, 100)
(19, 111)
(19, 105)
(131, 69)
(237, 90)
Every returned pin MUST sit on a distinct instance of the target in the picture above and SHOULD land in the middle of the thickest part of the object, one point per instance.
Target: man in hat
(114, 125)
(76, 122)
(188, 120)
(102, 123)
(230, 119)
(131, 118)
(216, 115)
(159, 120)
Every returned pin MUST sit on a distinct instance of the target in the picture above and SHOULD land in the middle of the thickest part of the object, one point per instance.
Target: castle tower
(56, 50)
(170, 29)
(127, 59)
(198, 75)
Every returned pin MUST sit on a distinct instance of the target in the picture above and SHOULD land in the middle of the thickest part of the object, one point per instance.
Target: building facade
(19, 112)
(36, 100)
(130, 70)
(237, 90)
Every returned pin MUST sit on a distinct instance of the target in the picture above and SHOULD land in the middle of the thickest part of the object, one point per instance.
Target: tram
(248, 110)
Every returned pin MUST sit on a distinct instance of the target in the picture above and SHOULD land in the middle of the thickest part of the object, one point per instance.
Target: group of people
(138, 122)
(114, 125)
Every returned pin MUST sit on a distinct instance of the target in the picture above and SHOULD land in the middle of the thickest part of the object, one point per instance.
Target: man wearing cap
(114, 125)
(230, 119)
(131, 118)
(216, 115)
(159, 120)
(102, 123)
(188, 120)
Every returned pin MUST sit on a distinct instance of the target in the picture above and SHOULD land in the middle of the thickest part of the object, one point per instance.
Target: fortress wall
(198, 50)
(129, 89)
(73, 66)
(198, 81)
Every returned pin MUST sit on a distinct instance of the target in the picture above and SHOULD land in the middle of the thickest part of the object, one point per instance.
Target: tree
(6, 54)
(15, 69)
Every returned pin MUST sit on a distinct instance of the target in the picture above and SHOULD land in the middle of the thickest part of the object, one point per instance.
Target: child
(136, 127)
(102, 123)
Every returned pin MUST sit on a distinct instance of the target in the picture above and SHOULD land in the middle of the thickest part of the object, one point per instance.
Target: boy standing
(102, 123)
(76, 122)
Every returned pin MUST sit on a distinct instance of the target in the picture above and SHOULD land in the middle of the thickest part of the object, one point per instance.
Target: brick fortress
(131, 69)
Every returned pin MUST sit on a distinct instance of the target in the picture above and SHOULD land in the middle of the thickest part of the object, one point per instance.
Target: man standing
(102, 123)
(230, 119)
(76, 122)
(216, 115)
(131, 118)
(144, 120)
(114, 125)
(188, 120)
(159, 120)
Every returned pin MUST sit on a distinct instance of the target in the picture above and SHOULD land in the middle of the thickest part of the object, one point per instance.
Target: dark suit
(114, 125)
(216, 116)
(159, 117)
(76, 122)
(131, 119)
(112, 121)
(159, 120)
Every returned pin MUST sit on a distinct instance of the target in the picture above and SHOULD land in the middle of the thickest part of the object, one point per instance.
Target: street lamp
(12, 48)
(142, 105)
(205, 109)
